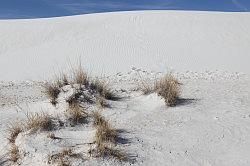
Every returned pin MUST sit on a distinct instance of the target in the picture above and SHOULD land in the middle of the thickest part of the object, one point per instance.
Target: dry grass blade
(77, 114)
(13, 130)
(63, 158)
(52, 90)
(80, 77)
(41, 121)
(168, 88)
(14, 153)
(105, 133)
(62, 80)
(105, 150)
(99, 120)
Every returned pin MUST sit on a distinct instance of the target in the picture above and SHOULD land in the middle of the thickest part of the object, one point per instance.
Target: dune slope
(115, 42)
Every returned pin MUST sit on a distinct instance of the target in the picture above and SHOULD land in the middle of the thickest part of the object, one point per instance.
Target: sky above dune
(52, 8)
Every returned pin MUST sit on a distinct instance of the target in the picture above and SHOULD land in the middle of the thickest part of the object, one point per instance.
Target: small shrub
(62, 80)
(52, 90)
(39, 122)
(14, 129)
(14, 153)
(62, 158)
(99, 120)
(168, 88)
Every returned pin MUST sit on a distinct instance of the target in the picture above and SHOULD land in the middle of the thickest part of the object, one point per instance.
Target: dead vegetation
(52, 90)
(13, 130)
(105, 139)
(14, 153)
(62, 80)
(77, 114)
(103, 89)
(80, 76)
(42, 121)
(169, 88)
(63, 158)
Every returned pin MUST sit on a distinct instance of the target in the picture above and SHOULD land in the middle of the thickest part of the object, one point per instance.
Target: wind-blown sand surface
(208, 51)
(116, 42)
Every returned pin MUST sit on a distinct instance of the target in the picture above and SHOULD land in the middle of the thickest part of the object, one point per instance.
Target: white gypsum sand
(209, 126)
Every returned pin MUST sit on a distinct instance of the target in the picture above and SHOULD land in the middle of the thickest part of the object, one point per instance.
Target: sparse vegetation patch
(168, 88)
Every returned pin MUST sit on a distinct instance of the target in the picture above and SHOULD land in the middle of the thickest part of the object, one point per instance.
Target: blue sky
(52, 8)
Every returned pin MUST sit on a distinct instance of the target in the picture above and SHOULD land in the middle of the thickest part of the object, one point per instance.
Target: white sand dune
(115, 42)
(209, 127)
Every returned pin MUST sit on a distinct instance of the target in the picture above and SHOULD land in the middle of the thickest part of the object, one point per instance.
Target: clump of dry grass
(105, 139)
(14, 153)
(105, 133)
(41, 121)
(62, 80)
(102, 88)
(108, 150)
(168, 88)
(80, 77)
(13, 130)
(77, 113)
(145, 87)
(52, 90)
(62, 158)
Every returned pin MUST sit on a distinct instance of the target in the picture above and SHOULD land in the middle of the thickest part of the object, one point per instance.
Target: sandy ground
(115, 42)
(210, 126)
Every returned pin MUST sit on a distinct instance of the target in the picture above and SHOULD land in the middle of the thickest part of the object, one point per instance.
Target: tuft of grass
(105, 150)
(52, 90)
(14, 153)
(62, 80)
(105, 133)
(62, 158)
(77, 114)
(168, 88)
(13, 130)
(80, 77)
(102, 88)
(41, 121)
(99, 120)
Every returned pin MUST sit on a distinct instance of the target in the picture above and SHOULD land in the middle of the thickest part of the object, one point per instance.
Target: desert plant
(168, 88)
(105, 133)
(99, 120)
(77, 114)
(108, 150)
(80, 77)
(14, 153)
(102, 88)
(52, 90)
(14, 129)
(41, 121)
